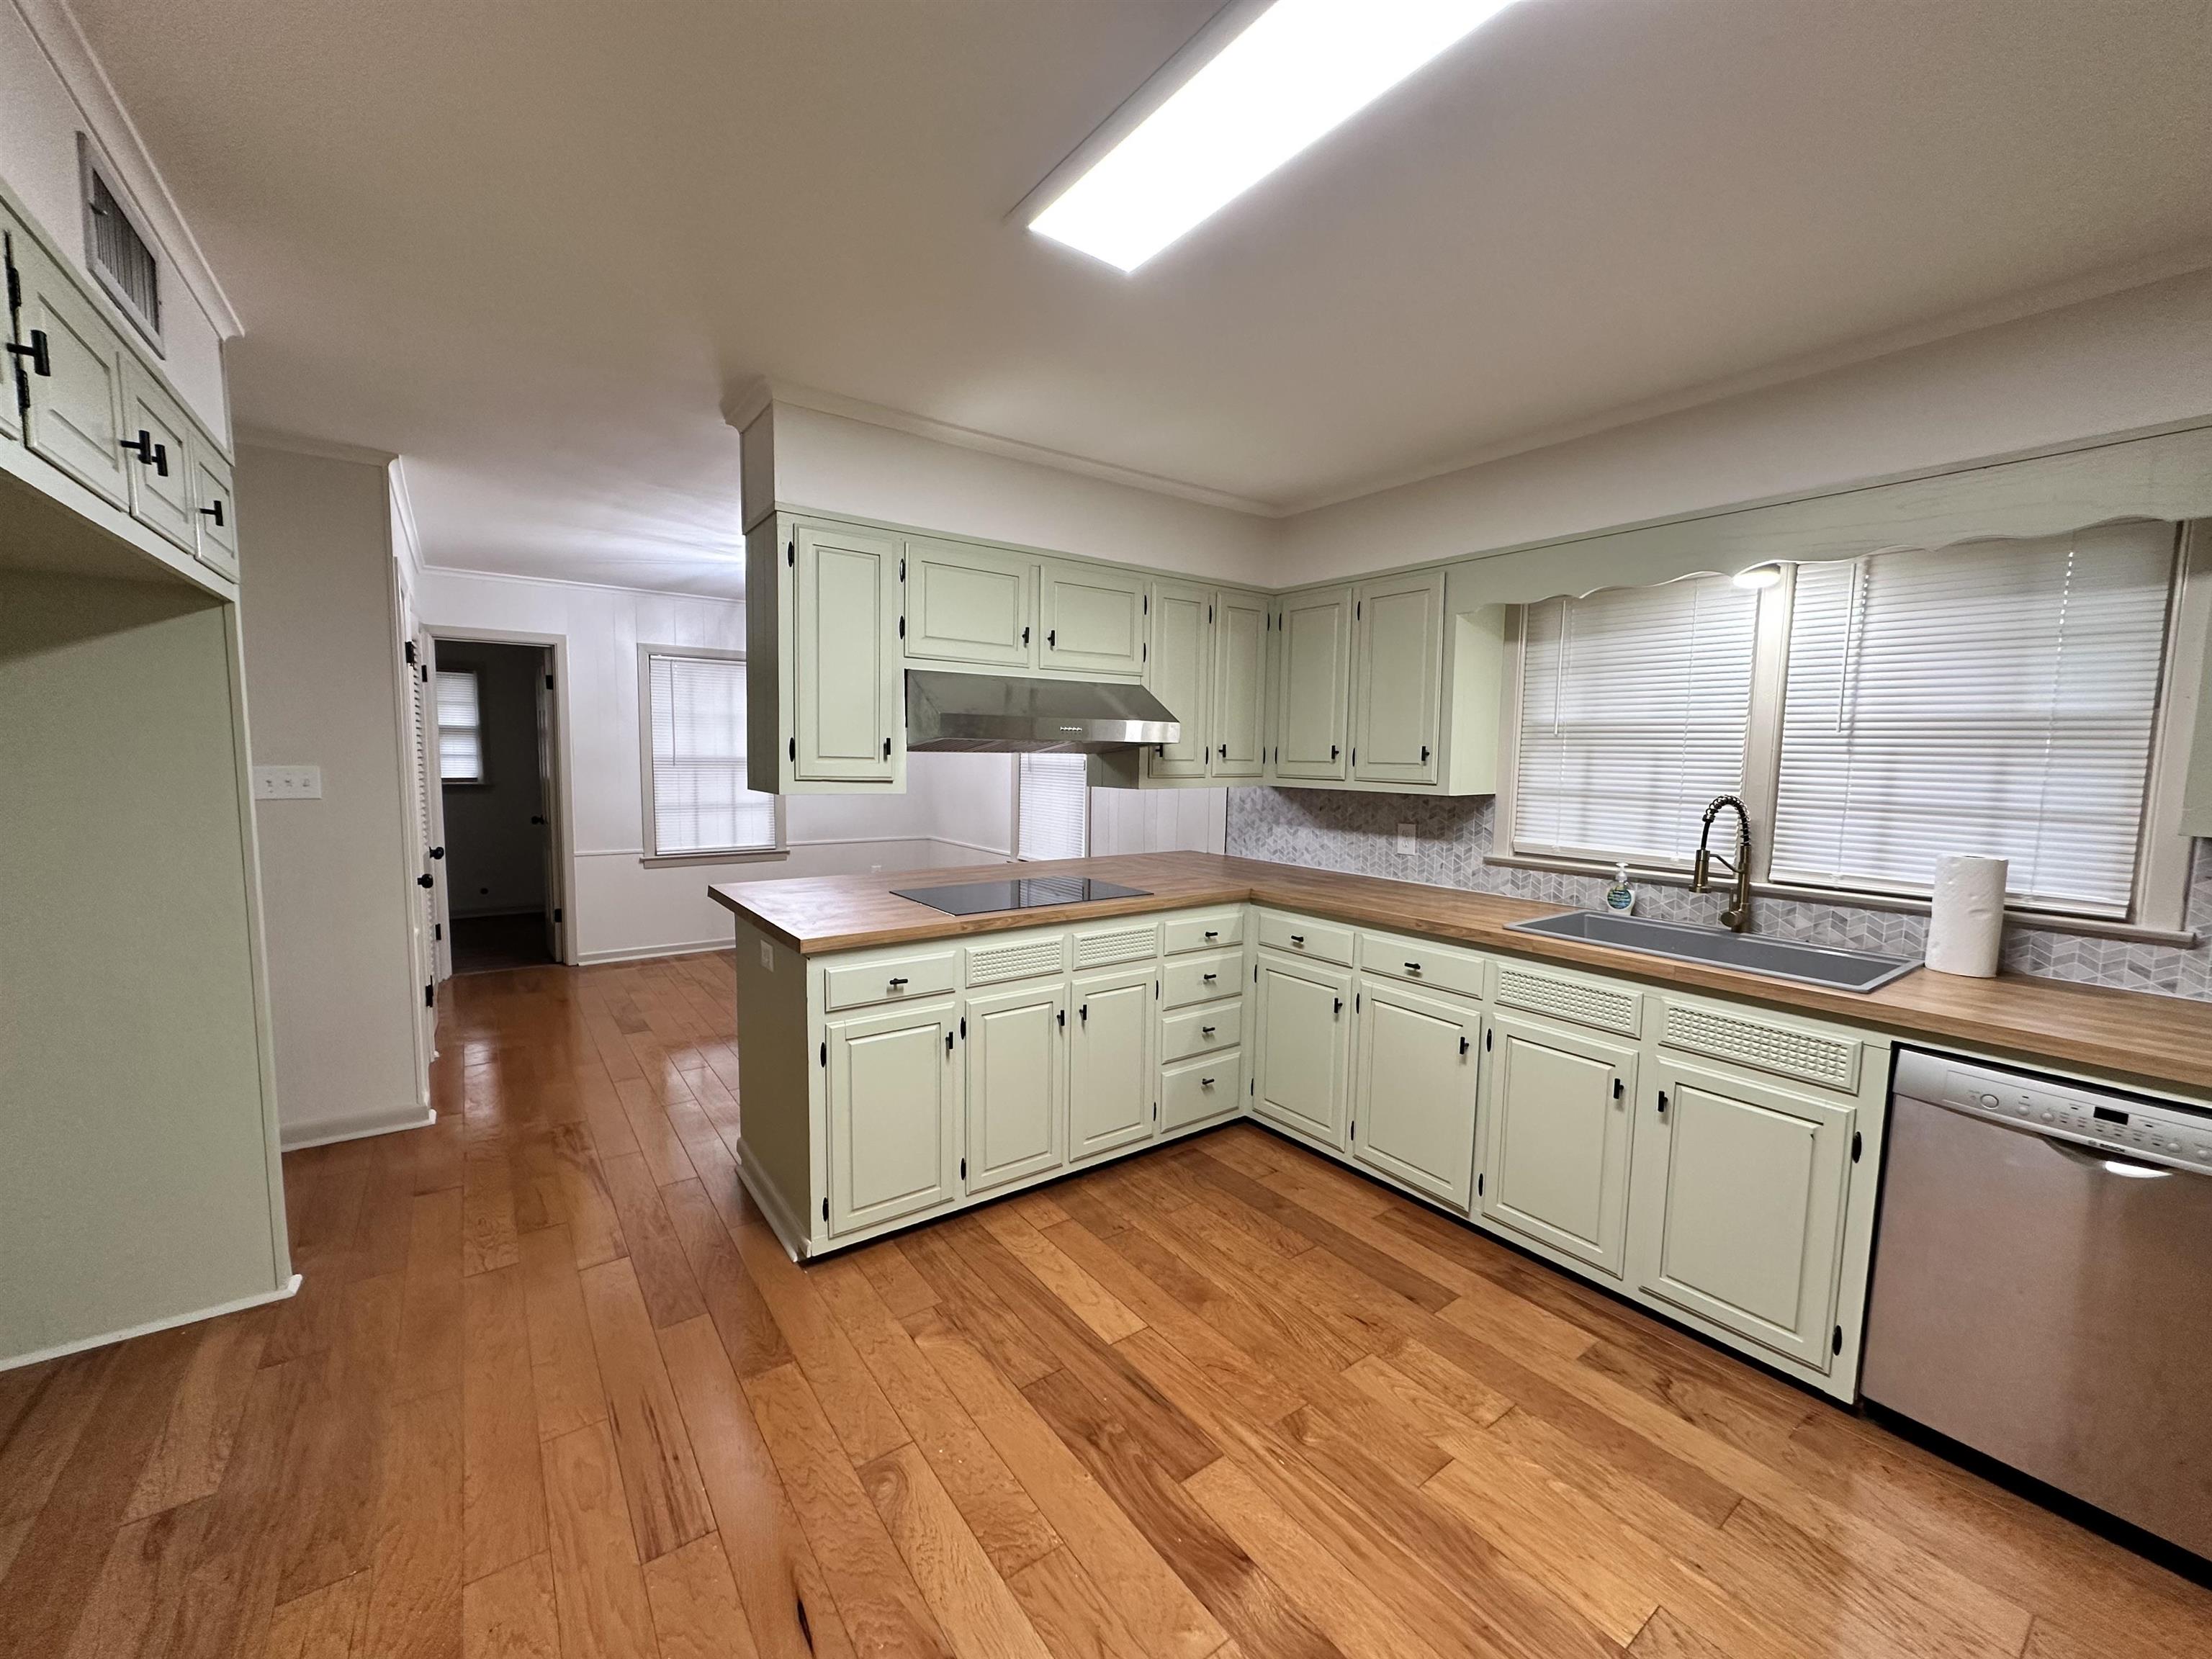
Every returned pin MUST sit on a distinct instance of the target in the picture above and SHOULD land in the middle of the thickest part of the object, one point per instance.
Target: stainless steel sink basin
(1809, 964)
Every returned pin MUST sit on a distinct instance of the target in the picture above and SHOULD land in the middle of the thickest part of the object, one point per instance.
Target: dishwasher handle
(2120, 1164)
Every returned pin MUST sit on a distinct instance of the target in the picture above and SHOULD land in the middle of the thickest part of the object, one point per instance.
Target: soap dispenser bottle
(1621, 897)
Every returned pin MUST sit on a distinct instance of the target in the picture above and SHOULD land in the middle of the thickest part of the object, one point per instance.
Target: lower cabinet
(894, 1104)
(1016, 1042)
(1302, 1045)
(1414, 1107)
(1111, 1079)
(1199, 1091)
(1739, 1208)
(1556, 1140)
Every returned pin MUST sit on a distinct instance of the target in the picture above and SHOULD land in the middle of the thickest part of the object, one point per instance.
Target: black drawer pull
(1413, 966)
(1617, 1087)
(1205, 1031)
(896, 982)
(148, 453)
(41, 362)
(1298, 940)
(1339, 1008)
(1205, 979)
(1206, 1083)
(1212, 933)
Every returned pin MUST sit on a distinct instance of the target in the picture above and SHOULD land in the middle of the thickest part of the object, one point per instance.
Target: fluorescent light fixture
(1759, 575)
(1302, 68)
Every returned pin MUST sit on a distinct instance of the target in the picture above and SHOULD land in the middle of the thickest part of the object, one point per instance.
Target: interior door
(1111, 1077)
(849, 718)
(549, 811)
(893, 1111)
(75, 379)
(1738, 1209)
(421, 782)
(1398, 667)
(1303, 1039)
(434, 812)
(1311, 709)
(159, 468)
(1181, 676)
(1240, 684)
(971, 604)
(1556, 1140)
(1413, 1110)
(1093, 617)
(1016, 1070)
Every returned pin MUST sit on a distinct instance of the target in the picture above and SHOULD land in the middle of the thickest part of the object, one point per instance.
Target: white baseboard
(645, 952)
(291, 1288)
(298, 1137)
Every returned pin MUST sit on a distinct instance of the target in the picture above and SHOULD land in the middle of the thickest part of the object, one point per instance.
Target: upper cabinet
(1397, 677)
(823, 669)
(158, 452)
(1240, 684)
(73, 368)
(1314, 661)
(1094, 618)
(213, 518)
(973, 604)
(1209, 665)
(1182, 676)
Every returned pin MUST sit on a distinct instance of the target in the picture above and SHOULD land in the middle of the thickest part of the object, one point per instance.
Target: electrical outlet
(768, 956)
(1405, 840)
(287, 783)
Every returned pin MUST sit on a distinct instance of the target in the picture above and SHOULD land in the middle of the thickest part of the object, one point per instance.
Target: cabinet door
(1302, 1040)
(974, 604)
(1016, 1065)
(1094, 619)
(160, 464)
(1556, 1140)
(1181, 676)
(845, 614)
(894, 1129)
(1397, 677)
(12, 235)
(76, 403)
(1739, 1210)
(1311, 703)
(214, 512)
(1110, 1079)
(1240, 684)
(1413, 1112)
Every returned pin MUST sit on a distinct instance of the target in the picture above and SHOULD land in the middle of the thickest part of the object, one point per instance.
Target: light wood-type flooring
(551, 1388)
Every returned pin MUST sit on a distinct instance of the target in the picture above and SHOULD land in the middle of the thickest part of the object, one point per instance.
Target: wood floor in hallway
(551, 1388)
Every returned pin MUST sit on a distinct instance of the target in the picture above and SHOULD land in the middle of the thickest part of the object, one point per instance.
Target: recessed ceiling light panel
(1302, 68)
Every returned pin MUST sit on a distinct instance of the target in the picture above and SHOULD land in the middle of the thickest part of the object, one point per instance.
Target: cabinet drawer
(1193, 1091)
(1201, 1029)
(1204, 930)
(1418, 961)
(1806, 1054)
(1325, 941)
(1201, 978)
(1591, 1002)
(886, 979)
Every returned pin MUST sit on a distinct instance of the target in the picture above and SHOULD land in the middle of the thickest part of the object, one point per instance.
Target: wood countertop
(2130, 1036)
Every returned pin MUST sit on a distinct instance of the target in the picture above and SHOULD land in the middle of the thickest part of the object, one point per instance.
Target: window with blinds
(695, 783)
(460, 727)
(1996, 698)
(1054, 816)
(1635, 703)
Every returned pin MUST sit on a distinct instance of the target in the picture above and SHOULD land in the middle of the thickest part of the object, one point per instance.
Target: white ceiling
(528, 245)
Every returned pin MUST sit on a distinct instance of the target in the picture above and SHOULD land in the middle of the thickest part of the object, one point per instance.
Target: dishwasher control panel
(2151, 1132)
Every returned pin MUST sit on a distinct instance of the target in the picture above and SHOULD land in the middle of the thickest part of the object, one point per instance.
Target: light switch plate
(287, 783)
(1405, 840)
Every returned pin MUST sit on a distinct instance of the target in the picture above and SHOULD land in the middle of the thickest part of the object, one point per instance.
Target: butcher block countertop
(2161, 1042)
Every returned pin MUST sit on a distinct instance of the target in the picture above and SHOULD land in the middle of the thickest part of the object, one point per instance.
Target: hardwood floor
(551, 1388)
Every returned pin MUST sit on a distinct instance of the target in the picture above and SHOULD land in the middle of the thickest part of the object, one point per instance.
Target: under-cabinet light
(1759, 575)
(1299, 70)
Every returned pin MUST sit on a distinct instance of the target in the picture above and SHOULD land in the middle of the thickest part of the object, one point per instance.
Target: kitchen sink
(1775, 958)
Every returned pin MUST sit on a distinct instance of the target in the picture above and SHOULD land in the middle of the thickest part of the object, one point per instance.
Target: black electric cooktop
(972, 898)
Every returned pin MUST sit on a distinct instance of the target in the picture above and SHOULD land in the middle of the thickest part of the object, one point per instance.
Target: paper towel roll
(1965, 924)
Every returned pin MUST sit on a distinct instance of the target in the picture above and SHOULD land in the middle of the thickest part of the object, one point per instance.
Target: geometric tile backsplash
(1343, 830)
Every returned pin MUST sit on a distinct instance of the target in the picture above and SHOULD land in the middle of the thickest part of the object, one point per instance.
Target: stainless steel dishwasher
(2043, 1285)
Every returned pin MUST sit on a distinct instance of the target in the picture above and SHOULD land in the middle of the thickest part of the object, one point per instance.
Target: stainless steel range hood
(993, 713)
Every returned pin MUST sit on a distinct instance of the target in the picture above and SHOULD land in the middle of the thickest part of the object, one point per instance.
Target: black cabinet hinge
(1356, 1001)
(791, 749)
(1251, 1086)
(438, 929)
(1148, 604)
(1145, 652)
(1478, 1185)
(1209, 615)
(1836, 1342)
(411, 653)
(429, 996)
(963, 1028)
(964, 1168)
(901, 627)
(825, 1051)
(1356, 608)
(557, 913)
(549, 682)
(1858, 1144)
(1486, 1040)
(1352, 1131)
(825, 1209)
(901, 569)
(791, 553)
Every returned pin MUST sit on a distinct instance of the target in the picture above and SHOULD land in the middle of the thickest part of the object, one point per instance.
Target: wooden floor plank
(564, 1367)
(697, 1612)
(659, 1473)
(656, 1255)
(415, 1586)
(598, 1588)
(503, 1489)
(512, 1613)
(974, 1608)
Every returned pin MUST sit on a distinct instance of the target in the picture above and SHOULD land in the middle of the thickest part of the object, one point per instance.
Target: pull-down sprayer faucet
(1738, 913)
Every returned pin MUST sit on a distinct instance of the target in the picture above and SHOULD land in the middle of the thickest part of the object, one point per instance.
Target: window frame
(2158, 904)
(482, 779)
(648, 825)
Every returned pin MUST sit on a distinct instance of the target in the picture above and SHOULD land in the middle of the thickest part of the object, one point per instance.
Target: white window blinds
(460, 727)
(700, 801)
(1994, 698)
(1634, 705)
(1055, 806)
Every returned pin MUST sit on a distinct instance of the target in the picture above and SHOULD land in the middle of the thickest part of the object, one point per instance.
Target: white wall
(2135, 359)
(316, 619)
(39, 119)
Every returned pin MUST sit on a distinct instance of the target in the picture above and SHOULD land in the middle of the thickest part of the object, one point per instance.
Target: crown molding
(55, 27)
(299, 443)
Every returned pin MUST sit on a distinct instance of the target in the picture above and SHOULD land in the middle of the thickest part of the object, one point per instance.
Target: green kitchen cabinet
(1094, 620)
(1240, 684)
(1017, 1043)
(75, 388)
(848, 716)
(893, 1107)
(1397, 677)
(1111, 1083)
(1312, 654)
(160, 469)
(1556, 1140)
(214, 512)
(1738, 1214)
(1413, 1105)
(969, 604)
(1182, 677)
(1301, 1045)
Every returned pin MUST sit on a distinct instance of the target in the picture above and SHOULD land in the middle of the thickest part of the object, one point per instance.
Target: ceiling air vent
(117, 249)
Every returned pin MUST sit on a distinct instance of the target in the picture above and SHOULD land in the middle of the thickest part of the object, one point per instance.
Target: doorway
(496, 747)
